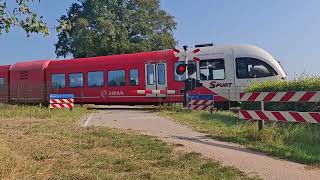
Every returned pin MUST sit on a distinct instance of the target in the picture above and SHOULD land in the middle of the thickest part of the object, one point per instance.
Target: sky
(288, 29)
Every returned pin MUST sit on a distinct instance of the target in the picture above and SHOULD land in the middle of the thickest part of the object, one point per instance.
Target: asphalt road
(146, 122)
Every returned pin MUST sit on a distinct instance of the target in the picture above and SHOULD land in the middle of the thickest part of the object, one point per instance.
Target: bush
(298, 84)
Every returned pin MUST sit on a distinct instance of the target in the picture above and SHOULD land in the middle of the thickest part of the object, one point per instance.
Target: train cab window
(2, 83)
(134, 77)
(116, 78)
(253, 68)
(76, 80)
(58, 81)
(161, 68)
(96, 79)
(212, 69)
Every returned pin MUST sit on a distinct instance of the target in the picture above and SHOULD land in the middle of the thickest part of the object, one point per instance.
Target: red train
(141, 78)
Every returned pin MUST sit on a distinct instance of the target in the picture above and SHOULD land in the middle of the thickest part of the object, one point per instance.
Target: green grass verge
(36, 143)
(295, 142)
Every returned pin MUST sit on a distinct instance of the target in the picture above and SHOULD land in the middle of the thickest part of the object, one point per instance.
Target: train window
(58, 81)
(134, 77)
(96, 79)
(178, 77)
(161, 68)
(150, 74)
(212, 69)
(116, 78)
(253, 68)
(2, 83)
(76, 80)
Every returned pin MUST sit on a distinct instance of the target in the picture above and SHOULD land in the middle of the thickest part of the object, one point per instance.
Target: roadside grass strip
(37, 143)
(292, 141)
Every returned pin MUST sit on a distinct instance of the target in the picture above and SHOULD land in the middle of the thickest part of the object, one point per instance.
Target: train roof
(115, 59)
(238, 50)
(5, 67)
(30, 66)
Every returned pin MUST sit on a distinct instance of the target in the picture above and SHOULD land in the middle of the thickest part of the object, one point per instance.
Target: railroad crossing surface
(149, 123)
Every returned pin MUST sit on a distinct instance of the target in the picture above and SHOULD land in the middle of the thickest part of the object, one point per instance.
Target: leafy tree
(106, 27)
(22, 16)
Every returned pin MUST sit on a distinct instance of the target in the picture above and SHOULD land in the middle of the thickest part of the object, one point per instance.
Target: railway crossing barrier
(280, 116)
(201, 102)
(61, 101)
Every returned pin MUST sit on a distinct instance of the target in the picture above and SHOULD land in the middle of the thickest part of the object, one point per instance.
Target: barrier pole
(261, 123)
(186, 61)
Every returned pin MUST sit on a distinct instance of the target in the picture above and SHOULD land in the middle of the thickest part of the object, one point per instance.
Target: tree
(107, 27)
(22, 16)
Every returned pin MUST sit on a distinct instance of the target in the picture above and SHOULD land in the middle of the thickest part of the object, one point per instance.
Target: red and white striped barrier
(61, 103)
(281, 116)
(201, 105)
(310, 96)
(149, 91)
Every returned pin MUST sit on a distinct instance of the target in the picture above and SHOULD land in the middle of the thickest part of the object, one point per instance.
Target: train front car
(225, 71)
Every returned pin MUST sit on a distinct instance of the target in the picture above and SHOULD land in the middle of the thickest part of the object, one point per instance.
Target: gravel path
(228, 153)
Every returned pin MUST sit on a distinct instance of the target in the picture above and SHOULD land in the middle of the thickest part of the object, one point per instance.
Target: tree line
(98, 27)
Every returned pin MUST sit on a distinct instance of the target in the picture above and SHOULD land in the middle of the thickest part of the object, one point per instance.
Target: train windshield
(253, 68)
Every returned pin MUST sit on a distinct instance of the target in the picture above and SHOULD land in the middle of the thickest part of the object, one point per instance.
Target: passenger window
(253, 68)
(76, 80)
(150, 74)
(2, 83)
(161, 74)
(178, 77)
(96, 79)
(212, 69)
(134, 77)
(58, 81)
(116, 78)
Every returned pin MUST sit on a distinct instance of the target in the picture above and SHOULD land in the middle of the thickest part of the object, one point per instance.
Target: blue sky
(288, 29)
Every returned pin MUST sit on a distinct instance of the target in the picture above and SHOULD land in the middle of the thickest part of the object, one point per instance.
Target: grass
(36, 143)
(295, 142)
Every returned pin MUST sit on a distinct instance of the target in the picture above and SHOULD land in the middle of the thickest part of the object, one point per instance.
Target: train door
(156, 79)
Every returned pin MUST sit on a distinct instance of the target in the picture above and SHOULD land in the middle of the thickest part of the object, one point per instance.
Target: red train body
(88, 79)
